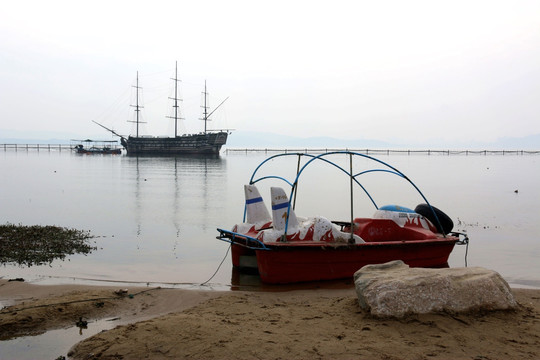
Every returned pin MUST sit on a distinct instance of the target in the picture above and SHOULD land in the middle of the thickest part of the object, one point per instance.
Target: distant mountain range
(240, 139)
(44, 137)
(245, 139)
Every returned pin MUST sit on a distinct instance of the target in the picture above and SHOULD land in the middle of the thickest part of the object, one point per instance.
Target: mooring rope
(221, 263)
(466, 252)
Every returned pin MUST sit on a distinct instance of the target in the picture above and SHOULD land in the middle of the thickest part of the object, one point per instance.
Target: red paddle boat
(284, 248)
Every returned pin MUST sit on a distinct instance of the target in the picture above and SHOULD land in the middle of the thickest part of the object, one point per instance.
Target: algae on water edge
(38, 245)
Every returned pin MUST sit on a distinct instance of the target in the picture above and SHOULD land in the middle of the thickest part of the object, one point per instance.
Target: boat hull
(288, 263)
(209, 143)
(99, 151)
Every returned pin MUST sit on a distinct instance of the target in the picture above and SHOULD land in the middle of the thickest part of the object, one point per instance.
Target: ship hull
(209, 143)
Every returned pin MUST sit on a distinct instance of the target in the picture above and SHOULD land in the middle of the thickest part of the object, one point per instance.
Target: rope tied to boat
(219, 266)
(462, 241)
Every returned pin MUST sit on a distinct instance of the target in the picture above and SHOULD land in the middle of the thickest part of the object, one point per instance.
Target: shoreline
(310, 323)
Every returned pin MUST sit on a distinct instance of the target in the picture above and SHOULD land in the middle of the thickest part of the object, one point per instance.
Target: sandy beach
(320, 323)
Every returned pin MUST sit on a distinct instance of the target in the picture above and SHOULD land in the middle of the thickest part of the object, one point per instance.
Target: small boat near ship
(284, 248)
(208, 142)
(92, 147)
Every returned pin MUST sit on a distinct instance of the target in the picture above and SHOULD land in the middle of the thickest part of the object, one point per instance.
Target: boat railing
(241, 239)
(385, 167)
(38, 147)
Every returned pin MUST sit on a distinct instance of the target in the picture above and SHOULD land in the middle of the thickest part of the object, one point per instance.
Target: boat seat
(377, 230)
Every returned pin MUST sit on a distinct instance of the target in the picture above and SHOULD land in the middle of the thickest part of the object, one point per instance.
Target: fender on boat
(446, 224)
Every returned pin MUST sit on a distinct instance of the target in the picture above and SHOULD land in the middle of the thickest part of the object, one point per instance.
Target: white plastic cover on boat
(403, 218)
(298, 229)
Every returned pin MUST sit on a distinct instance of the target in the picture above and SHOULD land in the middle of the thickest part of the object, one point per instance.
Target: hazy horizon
(246, 139)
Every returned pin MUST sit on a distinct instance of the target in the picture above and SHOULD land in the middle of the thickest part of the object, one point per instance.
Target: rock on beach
(395, 290)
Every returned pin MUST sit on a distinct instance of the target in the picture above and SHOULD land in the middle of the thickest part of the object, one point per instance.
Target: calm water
(155, 218)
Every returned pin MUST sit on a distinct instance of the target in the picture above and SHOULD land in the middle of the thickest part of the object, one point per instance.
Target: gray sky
(386, 70)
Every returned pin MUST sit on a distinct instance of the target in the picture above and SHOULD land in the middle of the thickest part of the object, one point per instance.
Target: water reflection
(175, 192)
(53, 343)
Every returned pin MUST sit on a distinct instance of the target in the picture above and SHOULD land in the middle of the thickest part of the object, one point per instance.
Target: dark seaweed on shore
(38, 245)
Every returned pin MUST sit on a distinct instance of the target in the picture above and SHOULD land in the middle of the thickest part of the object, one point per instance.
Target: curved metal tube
(293, 184)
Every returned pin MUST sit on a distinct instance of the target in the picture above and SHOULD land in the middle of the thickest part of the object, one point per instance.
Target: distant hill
(35, 137)
(34, 141)
(531, 142)
(241, 139)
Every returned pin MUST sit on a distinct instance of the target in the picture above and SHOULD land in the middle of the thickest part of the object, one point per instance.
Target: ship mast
(205, 107)
(137, 106)
(175, 106)
(206, 115)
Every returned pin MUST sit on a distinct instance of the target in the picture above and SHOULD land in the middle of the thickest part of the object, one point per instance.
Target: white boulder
(395, 290)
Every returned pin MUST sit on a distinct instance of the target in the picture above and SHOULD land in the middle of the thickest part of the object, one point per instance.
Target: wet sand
(298, 324)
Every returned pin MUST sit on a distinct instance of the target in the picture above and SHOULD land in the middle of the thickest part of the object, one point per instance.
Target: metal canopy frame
(354, 177)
